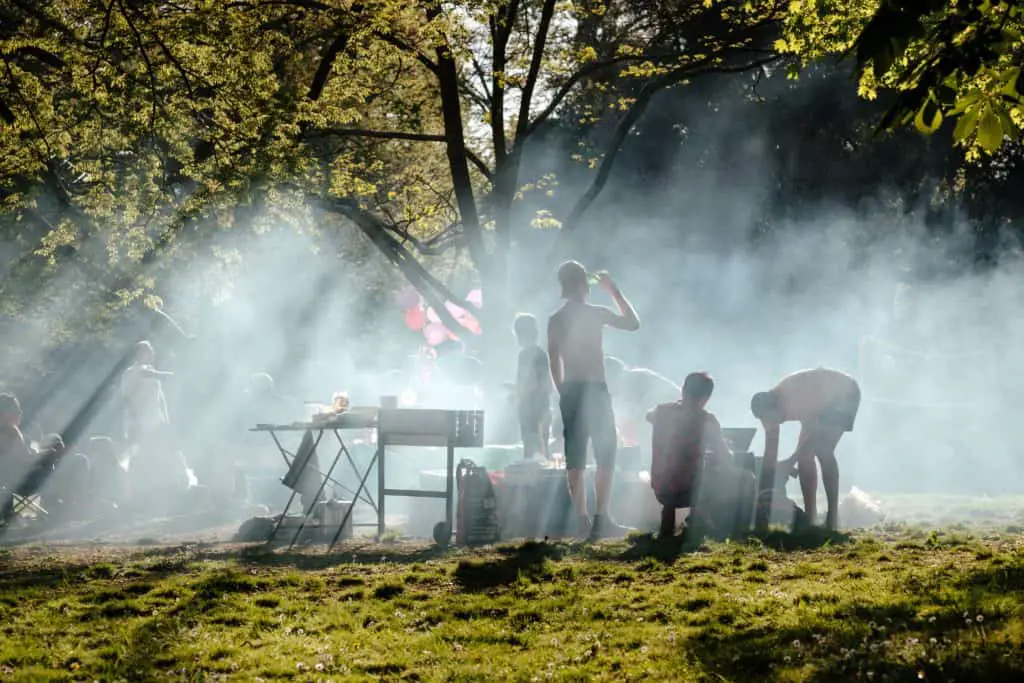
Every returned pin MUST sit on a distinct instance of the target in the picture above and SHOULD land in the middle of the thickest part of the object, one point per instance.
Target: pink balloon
(476, 297)
(471, 324)
(408, 297)
(435, 333)
(415, 318)
(456, 311)
(432, 316)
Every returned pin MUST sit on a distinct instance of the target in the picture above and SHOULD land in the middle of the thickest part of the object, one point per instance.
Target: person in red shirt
(684, 431)
(825, 403)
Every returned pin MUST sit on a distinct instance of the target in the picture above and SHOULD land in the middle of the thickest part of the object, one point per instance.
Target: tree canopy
(955, 60)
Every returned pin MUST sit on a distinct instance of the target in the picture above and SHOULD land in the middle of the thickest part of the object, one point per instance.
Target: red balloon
(415, 318)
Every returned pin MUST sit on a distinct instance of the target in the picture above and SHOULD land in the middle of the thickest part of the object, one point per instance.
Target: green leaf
(966, 125)
(928, 118)
(990, 131)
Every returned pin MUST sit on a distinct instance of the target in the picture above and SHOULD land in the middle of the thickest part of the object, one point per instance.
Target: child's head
(698, 388)
(525, 327)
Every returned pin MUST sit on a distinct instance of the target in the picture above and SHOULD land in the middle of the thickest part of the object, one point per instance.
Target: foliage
(134, 131)
(904, 605)
(942, 60)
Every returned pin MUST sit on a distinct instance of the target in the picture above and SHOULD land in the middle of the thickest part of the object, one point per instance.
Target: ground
(900, 602)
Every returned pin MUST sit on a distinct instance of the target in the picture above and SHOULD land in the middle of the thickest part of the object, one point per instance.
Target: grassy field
(902, 603)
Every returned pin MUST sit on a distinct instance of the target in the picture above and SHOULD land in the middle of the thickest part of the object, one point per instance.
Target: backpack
(477, 512)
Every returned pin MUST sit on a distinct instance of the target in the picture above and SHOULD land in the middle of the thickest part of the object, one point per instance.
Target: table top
(343, 421)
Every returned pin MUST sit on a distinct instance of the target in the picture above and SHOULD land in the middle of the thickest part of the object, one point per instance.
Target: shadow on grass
(847, 652)
(529, 560)
(644, 546)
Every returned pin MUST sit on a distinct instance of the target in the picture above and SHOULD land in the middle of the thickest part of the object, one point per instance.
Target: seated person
(16, 458)
(825, 403)
(684, 431)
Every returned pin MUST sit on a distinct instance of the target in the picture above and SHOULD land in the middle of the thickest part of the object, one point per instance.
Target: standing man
(576, 352)
(825, 403)
(147, 422)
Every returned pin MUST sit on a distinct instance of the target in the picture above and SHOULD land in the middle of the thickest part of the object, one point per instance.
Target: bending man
(576, 351)
(825, 403)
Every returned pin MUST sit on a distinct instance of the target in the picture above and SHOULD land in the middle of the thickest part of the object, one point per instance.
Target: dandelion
(931, 619)
(980, 618)
(796, 644)
(966, 615)
(920, 675)
(300, 632)
(287, 630)
(319, 666)
(554, 642)
(787, 659)
(301, 666)
(933, 641)
(643, 650)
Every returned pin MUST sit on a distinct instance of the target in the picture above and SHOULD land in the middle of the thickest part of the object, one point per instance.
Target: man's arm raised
(626, 318)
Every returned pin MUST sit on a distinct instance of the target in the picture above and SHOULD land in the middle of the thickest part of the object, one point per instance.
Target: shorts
(587, 415)
(841, 413)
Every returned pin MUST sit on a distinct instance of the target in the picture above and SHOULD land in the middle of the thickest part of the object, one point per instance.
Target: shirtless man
(576, 352)
(825, 403)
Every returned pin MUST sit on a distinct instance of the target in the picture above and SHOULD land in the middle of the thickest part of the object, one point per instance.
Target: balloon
(456, 311)
(476, 297)
(408, 297)
(415, 318)
(432, 316)
(435, 333)
(471, 324)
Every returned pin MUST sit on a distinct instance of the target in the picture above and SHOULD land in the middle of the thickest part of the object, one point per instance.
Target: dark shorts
(587, 415)
(841, 413)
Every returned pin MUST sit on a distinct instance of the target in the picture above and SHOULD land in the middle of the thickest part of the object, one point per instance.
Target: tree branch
(402, 135)
(323, 70)
(433, 290)
(539, 45)
(643, 98)
(405, 47)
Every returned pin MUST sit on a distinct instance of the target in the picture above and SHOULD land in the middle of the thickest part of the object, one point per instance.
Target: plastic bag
(858, 510)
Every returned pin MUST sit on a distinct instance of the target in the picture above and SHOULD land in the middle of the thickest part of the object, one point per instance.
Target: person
(634, 392)
(825, 403)
(684, 433)
(576, 352)
(154, 464)
(146, 405)
(16, 458)
(533, 388)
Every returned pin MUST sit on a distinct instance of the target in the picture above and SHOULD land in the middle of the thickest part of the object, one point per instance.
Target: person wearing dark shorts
(825, 403)
(587, 417)
(576, 352)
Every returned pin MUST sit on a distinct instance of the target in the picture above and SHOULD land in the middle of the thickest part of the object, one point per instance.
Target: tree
(940, 60)
(199, 112)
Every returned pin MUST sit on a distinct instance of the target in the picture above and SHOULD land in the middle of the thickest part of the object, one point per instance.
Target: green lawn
(901, 604)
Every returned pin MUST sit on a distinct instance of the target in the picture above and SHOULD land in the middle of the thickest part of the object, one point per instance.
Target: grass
(903, 604)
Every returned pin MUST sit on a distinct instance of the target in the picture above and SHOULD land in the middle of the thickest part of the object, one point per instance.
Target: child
(683, 432)
(533, 388)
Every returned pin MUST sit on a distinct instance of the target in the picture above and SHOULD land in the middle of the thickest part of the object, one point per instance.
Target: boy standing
(533, 388)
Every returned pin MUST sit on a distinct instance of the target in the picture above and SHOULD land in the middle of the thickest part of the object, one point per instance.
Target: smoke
(715, 290)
